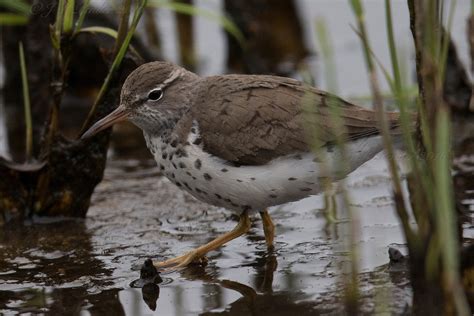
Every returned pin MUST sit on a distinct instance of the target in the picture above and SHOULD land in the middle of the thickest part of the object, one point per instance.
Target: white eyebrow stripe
(175, 74)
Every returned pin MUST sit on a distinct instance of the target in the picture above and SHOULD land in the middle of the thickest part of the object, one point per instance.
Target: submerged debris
(148, 275)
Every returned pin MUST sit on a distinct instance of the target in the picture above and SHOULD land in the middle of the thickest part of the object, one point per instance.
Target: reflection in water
(150, 294)
(260, 299)
(3, 131)
(265, 266)
(51, 267)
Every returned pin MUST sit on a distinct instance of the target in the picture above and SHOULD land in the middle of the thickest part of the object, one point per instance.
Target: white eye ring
(155, 94)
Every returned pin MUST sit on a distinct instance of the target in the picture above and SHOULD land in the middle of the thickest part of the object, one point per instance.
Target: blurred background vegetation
(64, 63)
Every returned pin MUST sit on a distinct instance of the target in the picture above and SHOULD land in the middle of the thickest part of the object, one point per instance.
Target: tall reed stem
(27, 105)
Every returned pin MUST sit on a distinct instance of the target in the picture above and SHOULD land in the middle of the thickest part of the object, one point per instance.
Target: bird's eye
(155, 94)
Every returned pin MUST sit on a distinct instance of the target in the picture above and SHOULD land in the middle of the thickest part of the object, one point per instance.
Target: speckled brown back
(251, 120)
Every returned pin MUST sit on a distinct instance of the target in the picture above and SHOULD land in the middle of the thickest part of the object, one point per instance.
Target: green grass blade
(26, 104)
(331, 170)
(58, 25)
(123, 48)
(445, 213)
(18, 6)
(68, 20)
(358, 11)
(359, 15)
(99, 29)
(328, 56)
(401, 94)
(357, 7)
(226, 23)
(384, 70)
(82, 15)
(59, 18)
(116, 63)
(107, 31)
(392, 47)
(13, 19)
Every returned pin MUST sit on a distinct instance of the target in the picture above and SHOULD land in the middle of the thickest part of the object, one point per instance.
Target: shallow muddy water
(86, 266)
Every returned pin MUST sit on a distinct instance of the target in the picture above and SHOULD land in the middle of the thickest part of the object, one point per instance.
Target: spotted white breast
(253, 188)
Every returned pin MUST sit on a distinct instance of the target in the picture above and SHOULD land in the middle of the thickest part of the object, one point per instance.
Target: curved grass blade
(18, 6)
(99, 29)
(226, 23)
(107, 31)
(82, 15)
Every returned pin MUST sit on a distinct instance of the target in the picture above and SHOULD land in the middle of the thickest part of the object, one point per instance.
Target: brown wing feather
(245, 120)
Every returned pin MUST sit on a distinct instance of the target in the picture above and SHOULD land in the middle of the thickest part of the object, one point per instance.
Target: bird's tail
(395, 122)
(396, 128)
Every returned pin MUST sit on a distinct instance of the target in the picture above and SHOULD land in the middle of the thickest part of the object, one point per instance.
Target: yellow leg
(268, 229)
(182, 261)
(330, 204)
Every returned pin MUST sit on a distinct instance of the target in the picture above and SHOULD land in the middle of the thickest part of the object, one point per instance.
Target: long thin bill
(118, 115)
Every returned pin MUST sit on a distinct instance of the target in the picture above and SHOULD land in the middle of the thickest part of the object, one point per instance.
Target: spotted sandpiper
(240, 141)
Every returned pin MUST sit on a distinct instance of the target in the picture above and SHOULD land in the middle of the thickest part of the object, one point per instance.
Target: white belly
(254, 188)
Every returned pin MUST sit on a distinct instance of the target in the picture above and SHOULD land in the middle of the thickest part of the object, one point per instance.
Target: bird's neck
(159, 124)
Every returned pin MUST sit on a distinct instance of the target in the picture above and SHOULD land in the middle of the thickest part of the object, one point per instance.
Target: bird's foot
(198, 255)
(181, 262)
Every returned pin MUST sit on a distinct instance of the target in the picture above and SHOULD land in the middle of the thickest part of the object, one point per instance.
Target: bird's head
(154, 97)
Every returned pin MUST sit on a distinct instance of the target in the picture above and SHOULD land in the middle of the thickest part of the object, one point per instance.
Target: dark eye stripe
(155, 94)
